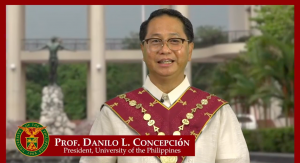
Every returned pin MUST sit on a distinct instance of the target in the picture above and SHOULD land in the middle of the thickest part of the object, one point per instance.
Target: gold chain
(151, 122)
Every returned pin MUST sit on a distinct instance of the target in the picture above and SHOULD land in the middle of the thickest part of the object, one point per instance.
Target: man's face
(166, 62)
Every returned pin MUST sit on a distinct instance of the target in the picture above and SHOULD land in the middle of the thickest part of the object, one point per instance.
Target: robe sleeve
(101, 126)
(231, 144)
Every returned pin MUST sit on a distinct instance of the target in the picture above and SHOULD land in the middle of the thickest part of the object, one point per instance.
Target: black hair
(187, 25)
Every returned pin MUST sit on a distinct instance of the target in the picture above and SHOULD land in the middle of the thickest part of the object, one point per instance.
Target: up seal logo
(32, 139)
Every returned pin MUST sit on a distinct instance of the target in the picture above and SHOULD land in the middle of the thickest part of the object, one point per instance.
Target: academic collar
(173, 95)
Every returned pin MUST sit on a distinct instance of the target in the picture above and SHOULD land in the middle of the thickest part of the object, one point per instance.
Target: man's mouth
(165, 61)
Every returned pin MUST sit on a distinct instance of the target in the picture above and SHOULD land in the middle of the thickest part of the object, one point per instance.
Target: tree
(123, 77)
(202, 74)
(36, 76)
(276, 21)
(206, 36)
(272, 53)
(132, 42)
(72, 79)
(209, 35)
(273, 64)
(268, 63)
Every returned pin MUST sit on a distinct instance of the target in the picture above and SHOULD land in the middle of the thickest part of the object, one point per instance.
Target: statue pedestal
(52, 113)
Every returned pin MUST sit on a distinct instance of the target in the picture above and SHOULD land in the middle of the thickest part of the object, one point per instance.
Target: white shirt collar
(173, 95)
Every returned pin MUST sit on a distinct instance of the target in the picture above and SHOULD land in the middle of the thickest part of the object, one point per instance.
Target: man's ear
(142, 46)
(190, 51)
(142, 49)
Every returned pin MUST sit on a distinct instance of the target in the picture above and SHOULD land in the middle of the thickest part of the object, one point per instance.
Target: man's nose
(165, 49)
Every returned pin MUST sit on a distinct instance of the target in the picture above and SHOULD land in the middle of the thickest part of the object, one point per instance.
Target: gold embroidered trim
(114, 104)
(184, 121)
(208, 114)
(141, 92)
(151, 122)
(182, 102)
(220, 100)
(168, 108)
(193, 133)
(129, 120)
(153, 103)
(194, 91)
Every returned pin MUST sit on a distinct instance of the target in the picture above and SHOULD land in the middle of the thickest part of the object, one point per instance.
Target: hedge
(278, 140)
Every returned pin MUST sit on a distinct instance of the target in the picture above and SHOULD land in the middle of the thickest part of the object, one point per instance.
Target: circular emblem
(185, 122)
(204, 102)
(176, 133)
(32, 139)
(161, 133)
(151, 122)
(189, 116)
(199, 106)
(168, 159)
(147, 117)
(132, 103)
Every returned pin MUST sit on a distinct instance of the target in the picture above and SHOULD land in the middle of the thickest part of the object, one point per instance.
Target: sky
(45, 21)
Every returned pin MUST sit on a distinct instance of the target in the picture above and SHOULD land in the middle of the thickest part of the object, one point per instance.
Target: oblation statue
(52, 107)
(53, 46)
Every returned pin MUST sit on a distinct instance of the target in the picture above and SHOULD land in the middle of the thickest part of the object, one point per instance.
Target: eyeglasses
(156, 44)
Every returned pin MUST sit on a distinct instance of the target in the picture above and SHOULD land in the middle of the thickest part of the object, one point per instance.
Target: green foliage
(35, 75)
(280, 140)
(273, 62)
(132, 42)
(33, 100)
(71, 78)
(209, 35)
(123, 78)
(277, 21)
(266, 69)
(272, 54)
(201, 75)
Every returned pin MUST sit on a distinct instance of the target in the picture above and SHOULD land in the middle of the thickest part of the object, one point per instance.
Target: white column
(238, 21)
(144, 66)
(23, 22)
(238, 17)
(88, 87)
(88, 74)
(97, 63)
(89, 21)
(15, 101)
(184, 9)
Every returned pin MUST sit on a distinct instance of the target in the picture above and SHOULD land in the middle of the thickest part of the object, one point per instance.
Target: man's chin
(166, 74)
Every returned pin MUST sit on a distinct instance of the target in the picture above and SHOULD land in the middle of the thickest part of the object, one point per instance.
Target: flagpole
(144, 64)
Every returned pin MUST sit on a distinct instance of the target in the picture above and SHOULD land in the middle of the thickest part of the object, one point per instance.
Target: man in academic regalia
(168, 105)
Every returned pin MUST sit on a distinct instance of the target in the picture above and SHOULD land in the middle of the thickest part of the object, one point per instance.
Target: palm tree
(273, 65)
